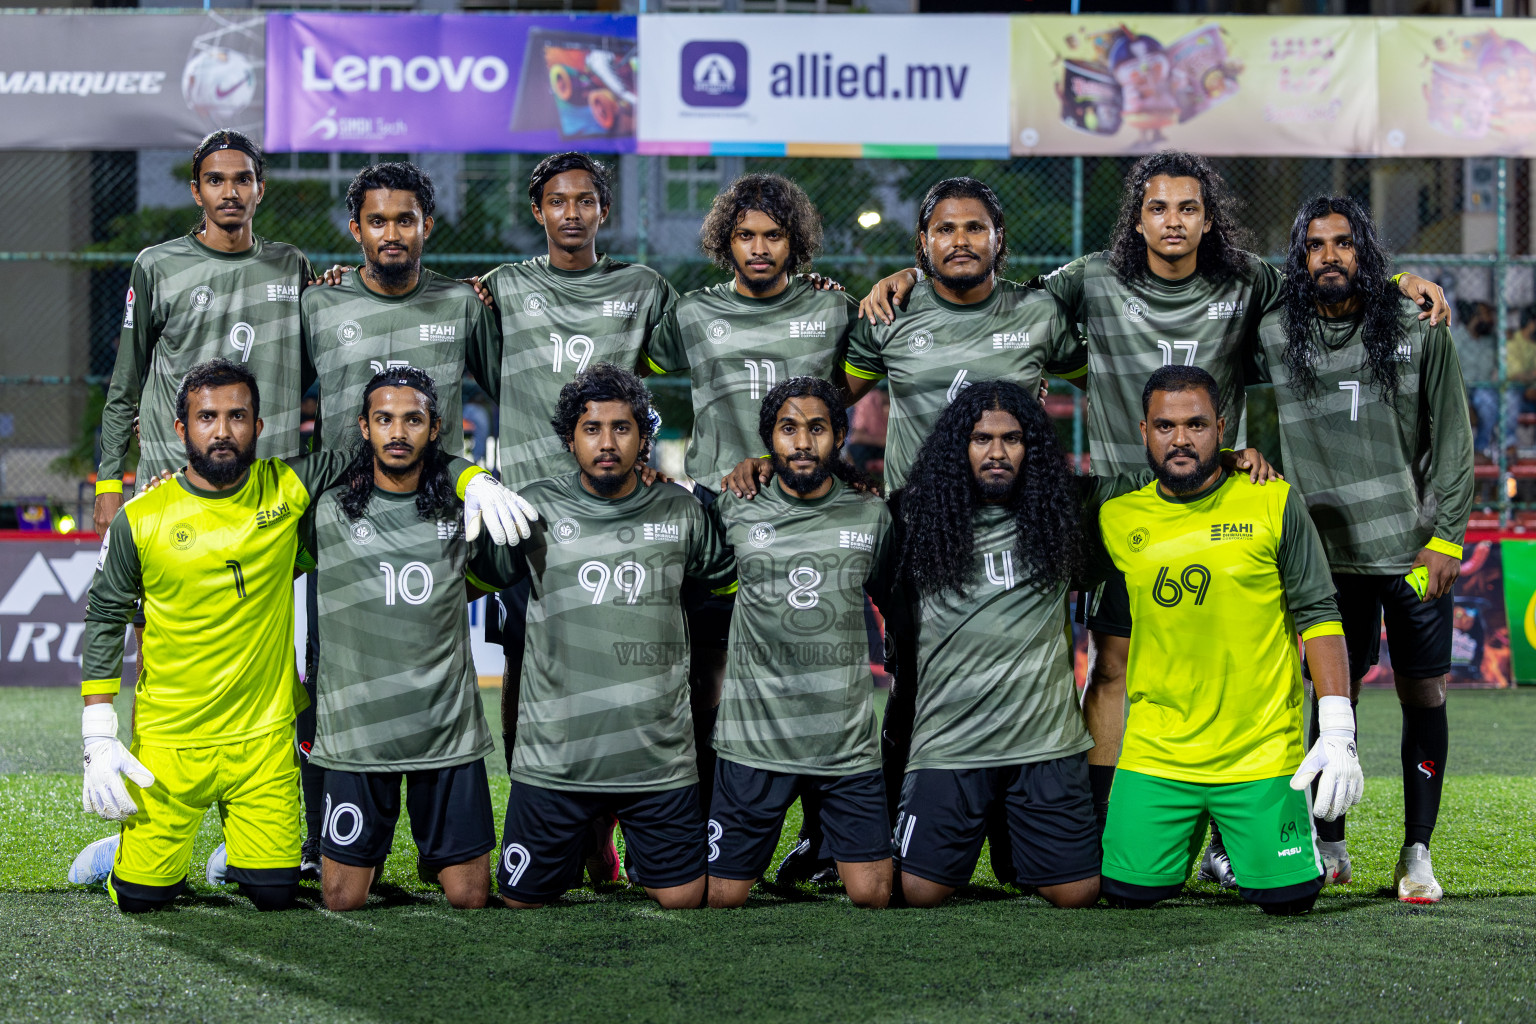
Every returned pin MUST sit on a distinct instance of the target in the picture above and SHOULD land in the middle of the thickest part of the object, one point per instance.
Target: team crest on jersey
(567, 530)
(1224, 310)
(362, 531)
(438, 332)
(128, 309)
(807, 328)
(718, 330)
(1134, 310)
(1138, 538)
(349, 333)
(619, 308)
(183, 536)
(1008, 340)
(282, 293)
(920, 341)
(1231, 531)
(761, 535)
(535, 304)
(855, 540)
(663, 532)
(202, 297)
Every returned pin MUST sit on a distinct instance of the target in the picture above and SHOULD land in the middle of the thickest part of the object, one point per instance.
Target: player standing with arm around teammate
(1375, 434)
(218, 292)
(797, 714)
(211, 556)
(1221, 577)
(603, 725)
(397, 695)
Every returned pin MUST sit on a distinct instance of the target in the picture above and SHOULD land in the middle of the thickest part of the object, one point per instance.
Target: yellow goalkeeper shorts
(255, 785)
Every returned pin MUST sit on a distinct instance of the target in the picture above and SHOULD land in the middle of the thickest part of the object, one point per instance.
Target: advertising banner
(1520, 604)
(1458, 86)
(124, 81)
(471, 83)
(1098, 84)
(825, 85)
(42, 610)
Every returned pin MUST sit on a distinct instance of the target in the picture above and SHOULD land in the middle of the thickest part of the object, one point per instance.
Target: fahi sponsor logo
(665, 532)
(856, 541)
(282, 293)
(807, 328)
(268, 516)
(438, 332)
(1224, 310)
(1231, 531)
(1007, 340)
(619, 308)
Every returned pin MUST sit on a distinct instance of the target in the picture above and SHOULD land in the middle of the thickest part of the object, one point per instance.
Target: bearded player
(1174, 287)
(398, 702)
(1222, 576)
(1374, 432)
(797, 714)
(210, 554)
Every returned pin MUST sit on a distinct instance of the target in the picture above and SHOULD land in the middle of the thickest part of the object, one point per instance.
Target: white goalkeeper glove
(1342, 783)
(106, 762)
(506, 515)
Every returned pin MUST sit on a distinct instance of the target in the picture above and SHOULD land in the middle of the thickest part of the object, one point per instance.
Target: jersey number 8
(1195, 579)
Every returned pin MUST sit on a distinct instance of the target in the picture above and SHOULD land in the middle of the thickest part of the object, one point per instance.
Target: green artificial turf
(800, 956)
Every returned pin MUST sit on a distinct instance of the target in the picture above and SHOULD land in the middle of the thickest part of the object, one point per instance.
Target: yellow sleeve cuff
(1073, 374)
(722, 591)
(464, 479)
(93, 687)
(1444, 546)
(854, 371)
(652, 364)
(478, 583)
(1397, 279)
(1331, 628)
(109, 487)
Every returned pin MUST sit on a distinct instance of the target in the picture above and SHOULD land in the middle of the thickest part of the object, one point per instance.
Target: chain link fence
(76, 220)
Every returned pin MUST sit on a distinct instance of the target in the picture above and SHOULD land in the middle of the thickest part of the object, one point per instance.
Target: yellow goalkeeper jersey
(1220, 583)
(215, 573)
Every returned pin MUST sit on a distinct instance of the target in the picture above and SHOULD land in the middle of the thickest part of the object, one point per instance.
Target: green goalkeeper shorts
(1157, 826)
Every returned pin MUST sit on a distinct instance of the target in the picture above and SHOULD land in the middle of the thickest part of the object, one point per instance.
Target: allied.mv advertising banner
(1094, 84)
(474, 83)
(128, 81)
(825, 85)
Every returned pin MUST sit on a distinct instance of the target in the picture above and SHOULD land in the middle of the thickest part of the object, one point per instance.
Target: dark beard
(401, 472)
(801, 482)
(754, 286)
(1333, 294)
(1184, 483)
(961, 282)
(394, 275)
(996, 491)
(220, 474)
(606, 486)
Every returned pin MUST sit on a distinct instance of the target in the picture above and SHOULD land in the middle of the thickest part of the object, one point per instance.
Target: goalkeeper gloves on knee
(1333, 760)
(106, 762)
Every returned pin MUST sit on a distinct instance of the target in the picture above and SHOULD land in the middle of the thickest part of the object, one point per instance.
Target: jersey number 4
(1168, 592)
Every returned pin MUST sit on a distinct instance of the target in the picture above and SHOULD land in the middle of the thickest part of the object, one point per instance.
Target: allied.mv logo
(713, 73)
(567, 530)
(761, 535)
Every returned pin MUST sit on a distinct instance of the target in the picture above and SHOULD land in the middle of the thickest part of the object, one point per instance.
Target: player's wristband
(1334, 714)
(1397, 279)
(109, 487)
(1444, 547)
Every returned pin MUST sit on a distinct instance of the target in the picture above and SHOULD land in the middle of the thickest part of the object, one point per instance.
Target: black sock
(810, 822)
(1101, 778)
(703, 728)
(311, 777)
(1329, 831)
(1426, 736)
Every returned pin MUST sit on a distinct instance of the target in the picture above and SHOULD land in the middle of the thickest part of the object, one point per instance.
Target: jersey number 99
(1168, 592)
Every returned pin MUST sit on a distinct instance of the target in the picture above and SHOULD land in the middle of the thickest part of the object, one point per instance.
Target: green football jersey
(352, 332)
(799, 694)
(1131, 331)
(995, 683)
(736, 348)
(1381, 480)
(554, 324)
(187, 304)
(604, 701)
(936, 347)
(396, 689)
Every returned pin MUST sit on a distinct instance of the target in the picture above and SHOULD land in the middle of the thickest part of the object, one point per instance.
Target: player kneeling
(797, 717)
(397, 696)
(603, 725)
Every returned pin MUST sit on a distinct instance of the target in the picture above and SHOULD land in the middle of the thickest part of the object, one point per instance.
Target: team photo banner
(1095, 84)
(825, 85)
(450, 83)
(128, 81)
(1463, 86)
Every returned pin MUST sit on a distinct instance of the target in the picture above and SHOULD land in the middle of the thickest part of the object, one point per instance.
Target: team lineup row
(691, 663)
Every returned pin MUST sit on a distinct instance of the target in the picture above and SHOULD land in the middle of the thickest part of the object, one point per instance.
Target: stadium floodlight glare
(66, 524)
(868, 219)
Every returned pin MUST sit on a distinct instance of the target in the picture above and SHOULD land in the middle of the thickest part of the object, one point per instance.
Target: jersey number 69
(1195, 579)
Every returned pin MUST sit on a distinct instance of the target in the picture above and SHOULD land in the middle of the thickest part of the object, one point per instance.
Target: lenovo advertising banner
(825, 85)
(450, 83)
(1101, 84)
(128, 81)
